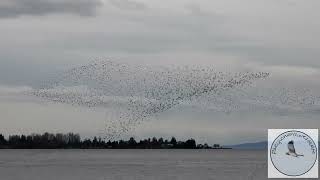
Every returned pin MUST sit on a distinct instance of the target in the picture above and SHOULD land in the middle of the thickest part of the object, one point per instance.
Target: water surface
(132, 164)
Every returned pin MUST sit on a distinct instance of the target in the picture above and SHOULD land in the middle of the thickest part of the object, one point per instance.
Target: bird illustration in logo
(292, 150)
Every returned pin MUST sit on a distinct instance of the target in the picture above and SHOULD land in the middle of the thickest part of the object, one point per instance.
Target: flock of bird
(136, 93)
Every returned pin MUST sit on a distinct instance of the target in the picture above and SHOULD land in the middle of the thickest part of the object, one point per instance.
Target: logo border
(285, 173)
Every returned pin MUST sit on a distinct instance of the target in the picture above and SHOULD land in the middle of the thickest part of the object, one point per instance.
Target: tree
(160, 140)
(95, 142)
(173, 141)
(132, 142)
(154, 142)
(71, 140)
(2, 140)
(216, 146)
(190, 144)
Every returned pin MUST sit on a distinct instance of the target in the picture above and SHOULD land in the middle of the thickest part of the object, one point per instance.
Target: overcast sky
(42, 37)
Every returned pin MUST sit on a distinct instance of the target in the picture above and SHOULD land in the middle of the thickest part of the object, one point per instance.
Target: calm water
(132, 164)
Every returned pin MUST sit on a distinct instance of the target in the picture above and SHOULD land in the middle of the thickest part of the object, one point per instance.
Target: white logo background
(281, 165)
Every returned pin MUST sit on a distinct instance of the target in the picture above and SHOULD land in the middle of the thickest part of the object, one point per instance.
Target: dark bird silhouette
(292, 150)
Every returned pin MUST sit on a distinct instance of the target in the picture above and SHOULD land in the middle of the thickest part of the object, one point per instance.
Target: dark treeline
(73, 141)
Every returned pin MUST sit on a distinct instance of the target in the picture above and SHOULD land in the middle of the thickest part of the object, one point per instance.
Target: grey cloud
(128, 4)
(17, 8)
(293, 56)
(197, 10)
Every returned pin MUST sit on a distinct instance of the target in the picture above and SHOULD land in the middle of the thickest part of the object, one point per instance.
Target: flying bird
(292, 150)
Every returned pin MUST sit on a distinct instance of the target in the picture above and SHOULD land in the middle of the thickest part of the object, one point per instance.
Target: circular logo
(293, 153)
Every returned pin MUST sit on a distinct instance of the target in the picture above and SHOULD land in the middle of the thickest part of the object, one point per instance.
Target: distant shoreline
(74, 141)
(214, 149)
